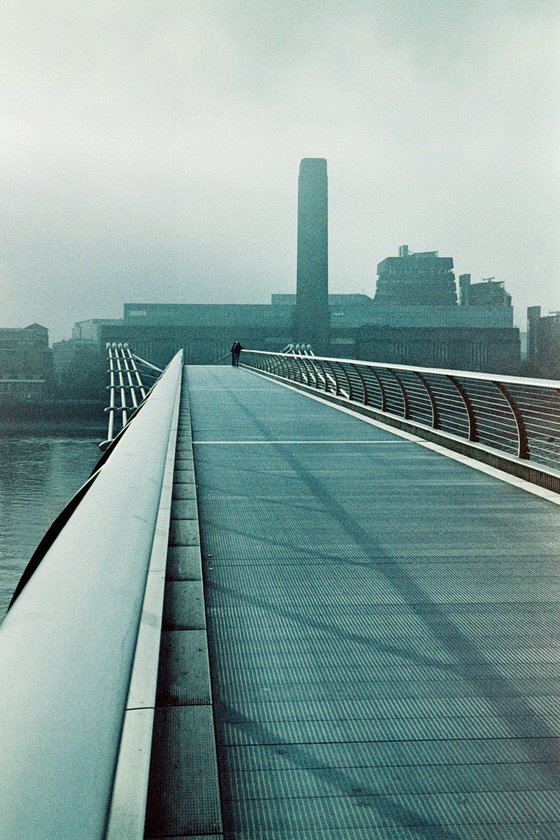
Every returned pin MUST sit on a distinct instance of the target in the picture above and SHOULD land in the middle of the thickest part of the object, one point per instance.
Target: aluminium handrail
(68, 641)
(469, 374)
(508, 414)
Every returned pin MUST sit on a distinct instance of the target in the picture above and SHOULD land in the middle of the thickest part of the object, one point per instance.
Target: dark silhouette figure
(236, 349)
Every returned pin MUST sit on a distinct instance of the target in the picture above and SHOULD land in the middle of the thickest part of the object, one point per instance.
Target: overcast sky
(150, 150)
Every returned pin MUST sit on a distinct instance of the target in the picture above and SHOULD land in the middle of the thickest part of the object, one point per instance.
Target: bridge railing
(70, 638)
(509, 414)
(125, 377)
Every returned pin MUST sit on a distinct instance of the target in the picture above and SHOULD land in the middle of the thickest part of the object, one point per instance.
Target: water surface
(38, 476)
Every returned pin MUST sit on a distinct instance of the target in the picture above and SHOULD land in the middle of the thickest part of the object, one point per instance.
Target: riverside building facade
(26, 363)
(413, 318)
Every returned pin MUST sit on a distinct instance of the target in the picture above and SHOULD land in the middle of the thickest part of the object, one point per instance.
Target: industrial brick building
(414, 317)
(26, 363)
(543, 343)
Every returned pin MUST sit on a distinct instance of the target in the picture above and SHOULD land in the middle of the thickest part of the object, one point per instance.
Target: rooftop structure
(416, 279)
(489, 292)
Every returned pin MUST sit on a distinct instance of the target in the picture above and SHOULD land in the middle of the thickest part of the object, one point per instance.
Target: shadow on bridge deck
(383, 627)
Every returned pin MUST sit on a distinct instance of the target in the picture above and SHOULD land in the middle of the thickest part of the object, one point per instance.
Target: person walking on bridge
(236, 349)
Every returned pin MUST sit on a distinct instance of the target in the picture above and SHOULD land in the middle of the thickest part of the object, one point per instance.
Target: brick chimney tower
(312, 305)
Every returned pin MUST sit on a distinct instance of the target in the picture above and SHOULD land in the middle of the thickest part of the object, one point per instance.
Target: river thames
(38, 476)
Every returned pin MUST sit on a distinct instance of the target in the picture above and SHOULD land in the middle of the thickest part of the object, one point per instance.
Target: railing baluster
(406, 404)
(344, 372)
(382, 389)
(436, 424)
(312, 370)
(331, 377)
(522, 439)
(473, 430)
(319, 368)
(363, 382)
(304, 370)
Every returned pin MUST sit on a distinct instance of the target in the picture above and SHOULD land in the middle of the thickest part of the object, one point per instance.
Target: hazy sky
(150, 150)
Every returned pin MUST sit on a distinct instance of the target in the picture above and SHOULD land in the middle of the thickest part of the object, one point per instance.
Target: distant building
(204, 331)
(356, 310)
(424, 279)
(465, 337)
(414, 318)
(493, 350)
(89, 331)
(543, 343)
(79, 361)
(489, 292)
(26, 366)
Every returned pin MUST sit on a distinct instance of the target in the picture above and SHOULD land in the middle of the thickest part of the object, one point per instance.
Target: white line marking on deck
(268, 442)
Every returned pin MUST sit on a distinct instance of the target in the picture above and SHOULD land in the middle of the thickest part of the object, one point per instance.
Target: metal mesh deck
(383, 624)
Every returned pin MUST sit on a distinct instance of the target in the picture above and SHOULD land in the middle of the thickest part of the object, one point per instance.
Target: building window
(402, 350)
(441, 353)
(479, 355)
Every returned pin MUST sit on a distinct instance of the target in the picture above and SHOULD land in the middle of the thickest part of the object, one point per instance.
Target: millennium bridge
(299, 598)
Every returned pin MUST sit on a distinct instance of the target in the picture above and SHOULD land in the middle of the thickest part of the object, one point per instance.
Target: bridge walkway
(383, 626)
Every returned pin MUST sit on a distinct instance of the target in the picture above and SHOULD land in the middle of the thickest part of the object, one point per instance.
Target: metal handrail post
(436, 423)
(471, 416)
(406, 402)
(363, 384)
(522, 437)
